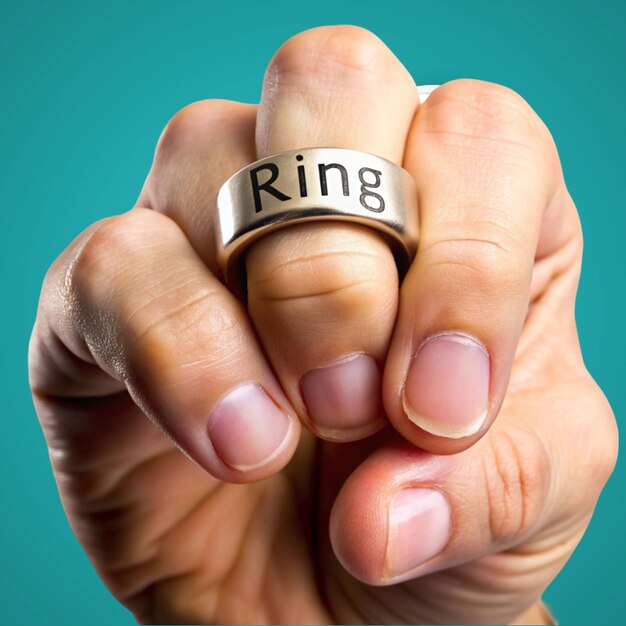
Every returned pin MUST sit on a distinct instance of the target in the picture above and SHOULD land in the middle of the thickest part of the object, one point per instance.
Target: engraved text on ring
(369, 179)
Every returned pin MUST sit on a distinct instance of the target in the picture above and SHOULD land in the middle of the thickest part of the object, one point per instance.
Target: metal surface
(315, 184)
(424, 91)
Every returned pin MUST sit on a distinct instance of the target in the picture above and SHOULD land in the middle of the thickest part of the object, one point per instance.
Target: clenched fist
(339, 447)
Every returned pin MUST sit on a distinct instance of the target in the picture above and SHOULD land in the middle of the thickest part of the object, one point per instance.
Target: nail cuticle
(338, 435)
(454, 334)
(346, 358)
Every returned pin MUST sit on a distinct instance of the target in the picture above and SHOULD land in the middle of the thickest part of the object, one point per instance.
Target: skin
(137, 339)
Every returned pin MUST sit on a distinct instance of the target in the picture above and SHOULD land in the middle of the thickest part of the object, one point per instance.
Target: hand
(494, 442)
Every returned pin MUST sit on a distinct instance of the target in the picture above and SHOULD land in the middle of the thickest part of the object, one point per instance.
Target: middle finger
(323, 295)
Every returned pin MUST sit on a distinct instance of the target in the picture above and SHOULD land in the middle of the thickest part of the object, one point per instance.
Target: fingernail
(419, 528)
(344, 396)
(246, 428)
(447, 388)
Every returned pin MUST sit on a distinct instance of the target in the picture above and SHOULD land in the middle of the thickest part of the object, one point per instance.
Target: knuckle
(180, 336)
(92, 266)
(464, 111)
(516, 471)
(89, 283)
(175, 323)
(596, 436)
(604, 460)
(327, 50)
(342, 272)
(194, 122)
(346, 281)
(487, 264)
(100, 265)
(606, 456)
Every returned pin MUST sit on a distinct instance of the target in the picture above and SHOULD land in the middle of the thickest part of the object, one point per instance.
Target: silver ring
(423, 91)
(315, 184)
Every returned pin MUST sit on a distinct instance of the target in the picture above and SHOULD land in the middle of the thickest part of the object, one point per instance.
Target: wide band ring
(315, 184)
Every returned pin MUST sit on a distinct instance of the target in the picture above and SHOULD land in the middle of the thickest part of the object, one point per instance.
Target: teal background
(85, 90)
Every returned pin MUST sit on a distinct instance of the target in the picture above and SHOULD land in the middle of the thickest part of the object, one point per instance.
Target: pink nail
(246, 428)
(447, 388)
(344, 396)
(419, 528)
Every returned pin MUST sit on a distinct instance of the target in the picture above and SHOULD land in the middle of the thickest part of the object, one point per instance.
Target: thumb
(404, 512)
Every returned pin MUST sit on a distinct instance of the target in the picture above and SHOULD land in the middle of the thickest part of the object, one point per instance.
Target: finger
(323, 296)
(486, 170)
(204, 144)
(132, 297)
(510, 510)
